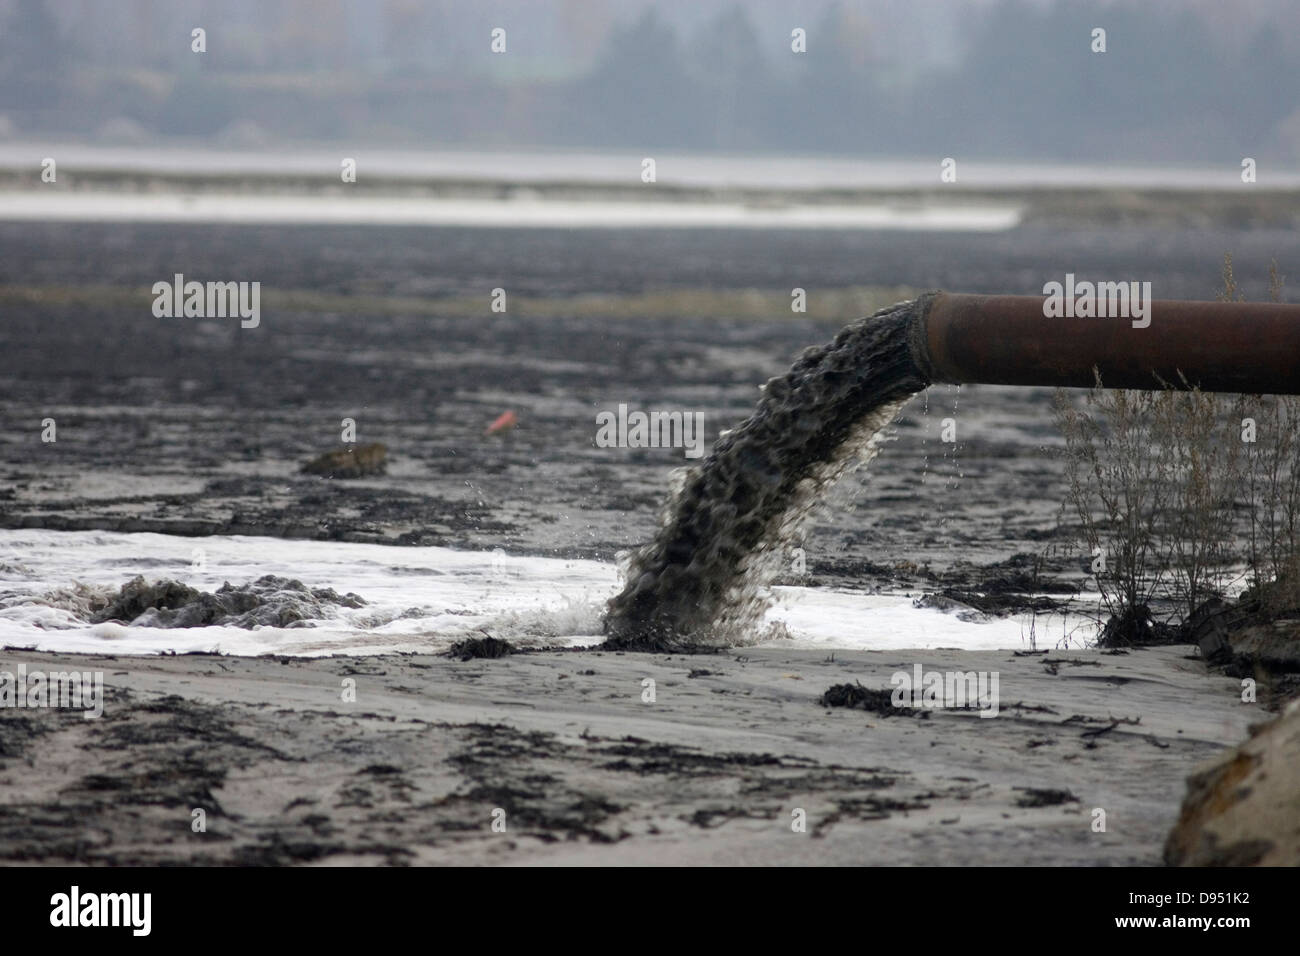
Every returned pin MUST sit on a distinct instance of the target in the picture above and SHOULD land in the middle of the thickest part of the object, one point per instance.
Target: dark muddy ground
(557, 758)
(196, 426)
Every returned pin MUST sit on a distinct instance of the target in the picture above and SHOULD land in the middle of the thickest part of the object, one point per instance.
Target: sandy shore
(587, 772)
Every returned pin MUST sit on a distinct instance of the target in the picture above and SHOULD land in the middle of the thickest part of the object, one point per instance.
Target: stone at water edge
(1243, 808)
(355, 462)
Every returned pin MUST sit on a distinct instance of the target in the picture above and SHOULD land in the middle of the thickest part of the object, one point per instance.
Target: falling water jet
(701, 580)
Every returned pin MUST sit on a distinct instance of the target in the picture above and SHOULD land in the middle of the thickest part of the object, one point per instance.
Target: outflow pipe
(1247, 347)
(699, 580)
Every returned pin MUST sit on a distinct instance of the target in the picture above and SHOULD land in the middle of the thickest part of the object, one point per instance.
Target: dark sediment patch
(1136, 627)
(153, 761)
(879, 702)
(1021, 583)
(270, 600)
(480, 647)
(15, 734)
(701, 580)
(1044, 797)
(1002, 603)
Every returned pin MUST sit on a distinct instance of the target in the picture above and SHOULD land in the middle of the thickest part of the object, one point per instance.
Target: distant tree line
(1029, 85)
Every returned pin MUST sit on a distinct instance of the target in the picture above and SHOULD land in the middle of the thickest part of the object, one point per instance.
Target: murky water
(702, 578)
(57, 589)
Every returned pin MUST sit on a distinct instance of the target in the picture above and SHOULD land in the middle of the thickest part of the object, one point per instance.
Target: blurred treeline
(1017, 79)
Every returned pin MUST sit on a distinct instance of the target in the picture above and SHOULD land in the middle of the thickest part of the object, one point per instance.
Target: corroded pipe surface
(1247, 347)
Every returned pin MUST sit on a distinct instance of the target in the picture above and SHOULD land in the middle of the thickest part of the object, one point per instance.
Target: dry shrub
(1180, 491)
(1114, 465)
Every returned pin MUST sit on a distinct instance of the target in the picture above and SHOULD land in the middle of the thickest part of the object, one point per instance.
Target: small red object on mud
(504, 422)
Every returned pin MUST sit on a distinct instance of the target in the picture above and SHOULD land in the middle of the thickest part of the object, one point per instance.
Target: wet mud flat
(196, 426)
(563, 751)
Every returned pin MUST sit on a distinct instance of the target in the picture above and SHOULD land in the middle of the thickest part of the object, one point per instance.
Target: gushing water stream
(702, 580)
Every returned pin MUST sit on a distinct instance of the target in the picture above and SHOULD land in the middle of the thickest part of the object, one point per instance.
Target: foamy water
(418, 599)
(515, 213)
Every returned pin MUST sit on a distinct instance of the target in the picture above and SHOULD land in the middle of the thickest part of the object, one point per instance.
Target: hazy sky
(1199, 80)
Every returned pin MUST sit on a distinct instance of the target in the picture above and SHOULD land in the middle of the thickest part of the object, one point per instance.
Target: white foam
(418, 599)
(520, 213)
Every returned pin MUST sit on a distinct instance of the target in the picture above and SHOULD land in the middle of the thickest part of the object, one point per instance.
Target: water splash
(702, 580)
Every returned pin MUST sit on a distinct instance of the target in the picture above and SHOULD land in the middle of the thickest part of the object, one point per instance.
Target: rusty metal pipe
(1246, 347)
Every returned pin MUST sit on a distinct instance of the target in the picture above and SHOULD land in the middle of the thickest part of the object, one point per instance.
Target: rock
(357, 462)
(1243, 808)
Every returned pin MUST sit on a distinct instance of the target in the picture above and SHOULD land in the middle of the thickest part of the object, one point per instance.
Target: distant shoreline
(105, 194)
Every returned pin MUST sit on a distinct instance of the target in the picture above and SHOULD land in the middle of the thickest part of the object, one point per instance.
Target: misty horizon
(1182, 83)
